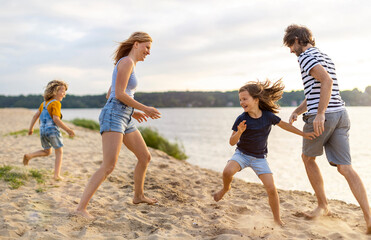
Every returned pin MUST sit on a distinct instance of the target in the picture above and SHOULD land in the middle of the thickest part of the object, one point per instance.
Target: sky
(208, 45)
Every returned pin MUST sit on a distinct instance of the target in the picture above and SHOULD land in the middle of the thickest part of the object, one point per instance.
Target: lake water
(205, 132)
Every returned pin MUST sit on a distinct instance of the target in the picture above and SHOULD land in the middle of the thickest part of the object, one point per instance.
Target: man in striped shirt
(325, 114)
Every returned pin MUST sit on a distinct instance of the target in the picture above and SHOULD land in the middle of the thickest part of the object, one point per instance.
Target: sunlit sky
(197, 45)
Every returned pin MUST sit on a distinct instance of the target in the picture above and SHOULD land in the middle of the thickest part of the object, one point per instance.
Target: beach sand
(186, 209)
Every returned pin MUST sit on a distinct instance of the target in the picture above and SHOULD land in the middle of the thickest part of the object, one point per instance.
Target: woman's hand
(152, 112)
(140, 117)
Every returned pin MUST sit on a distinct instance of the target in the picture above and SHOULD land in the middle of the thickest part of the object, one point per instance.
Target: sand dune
(186, 209)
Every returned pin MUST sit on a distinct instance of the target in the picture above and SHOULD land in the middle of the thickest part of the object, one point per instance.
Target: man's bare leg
(230, 169)
(358, 190)
(316, 180)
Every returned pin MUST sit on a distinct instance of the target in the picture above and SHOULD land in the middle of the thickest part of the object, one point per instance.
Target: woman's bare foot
(280, 222)
(368, 230)
(317, 213)
(26, 159)
(58, 178)
(219, 195)
(144, 199)
(84, 213)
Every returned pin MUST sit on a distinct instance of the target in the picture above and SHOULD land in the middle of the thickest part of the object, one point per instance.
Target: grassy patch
(24, 132)
(86, 123)
(154, 140)
(16, 177)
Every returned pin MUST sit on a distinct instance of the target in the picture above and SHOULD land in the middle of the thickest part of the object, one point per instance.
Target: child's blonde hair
(52, 89)
(268, 93)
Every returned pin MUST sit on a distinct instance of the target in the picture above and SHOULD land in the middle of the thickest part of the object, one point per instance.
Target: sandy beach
(186, 209)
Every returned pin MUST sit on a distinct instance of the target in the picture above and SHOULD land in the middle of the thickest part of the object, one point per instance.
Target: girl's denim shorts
(116, 117)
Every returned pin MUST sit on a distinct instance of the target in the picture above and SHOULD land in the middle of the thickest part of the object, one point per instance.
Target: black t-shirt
(253, 140)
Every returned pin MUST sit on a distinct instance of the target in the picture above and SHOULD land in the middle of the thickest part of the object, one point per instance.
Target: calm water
(205, 132)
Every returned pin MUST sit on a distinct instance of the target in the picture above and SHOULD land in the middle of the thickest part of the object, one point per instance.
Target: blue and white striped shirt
(307, 60)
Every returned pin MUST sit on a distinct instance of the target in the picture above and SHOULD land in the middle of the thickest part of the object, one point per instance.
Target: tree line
(353, 97)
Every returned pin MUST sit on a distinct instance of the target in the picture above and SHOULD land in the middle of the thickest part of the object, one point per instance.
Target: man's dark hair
(302, 33)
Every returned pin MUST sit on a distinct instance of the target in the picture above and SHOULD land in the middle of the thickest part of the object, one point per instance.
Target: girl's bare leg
(229, 171)
(273, 198)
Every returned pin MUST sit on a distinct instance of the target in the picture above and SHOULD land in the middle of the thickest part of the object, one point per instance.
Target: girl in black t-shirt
(250, 133)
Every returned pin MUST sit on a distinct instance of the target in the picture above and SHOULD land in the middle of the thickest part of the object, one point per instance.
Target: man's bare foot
(219, 195)
(317, 213)
(26, 159)
(84, 213)
(144, 199)
(58, 178)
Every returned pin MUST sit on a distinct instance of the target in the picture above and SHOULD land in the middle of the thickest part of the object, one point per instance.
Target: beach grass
(151, 136)
(154, 140)
(17, 177)
(86, 123)
(24, 132)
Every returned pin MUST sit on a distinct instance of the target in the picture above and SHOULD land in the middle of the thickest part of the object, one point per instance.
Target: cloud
(207, 45)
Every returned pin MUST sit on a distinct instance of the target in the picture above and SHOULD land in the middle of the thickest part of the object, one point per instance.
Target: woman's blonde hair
(52, 89)
(268, 93)
(126, 46)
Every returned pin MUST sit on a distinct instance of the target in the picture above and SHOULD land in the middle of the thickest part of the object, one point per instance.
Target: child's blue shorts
(50, 139)
(259, 165)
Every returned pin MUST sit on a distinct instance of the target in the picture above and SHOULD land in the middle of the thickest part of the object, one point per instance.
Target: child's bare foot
(84, 213)
(219, 195)
(317, 213)
(144, 199)
(26, 159)
(58, 178)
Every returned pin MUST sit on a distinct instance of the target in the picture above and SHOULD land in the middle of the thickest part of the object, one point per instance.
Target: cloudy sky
(198, 45)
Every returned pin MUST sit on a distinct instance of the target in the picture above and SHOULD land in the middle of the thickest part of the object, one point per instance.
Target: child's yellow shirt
(54, 108)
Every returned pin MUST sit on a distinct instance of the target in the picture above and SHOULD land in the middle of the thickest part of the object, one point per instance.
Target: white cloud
(198, 45)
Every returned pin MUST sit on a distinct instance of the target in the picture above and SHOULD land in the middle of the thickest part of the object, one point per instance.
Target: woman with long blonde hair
(116, 121)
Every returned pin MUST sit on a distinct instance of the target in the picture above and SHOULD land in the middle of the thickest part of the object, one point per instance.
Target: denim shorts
(51, 138)
(259, 165)
(116, 117)
(335, 138)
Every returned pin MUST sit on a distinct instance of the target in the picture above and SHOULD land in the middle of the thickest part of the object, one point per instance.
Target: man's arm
(321, 75)
(302, 108)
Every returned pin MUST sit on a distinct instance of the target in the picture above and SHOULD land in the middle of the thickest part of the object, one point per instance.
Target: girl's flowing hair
(268, 93)
(126, 46)
(52, 89)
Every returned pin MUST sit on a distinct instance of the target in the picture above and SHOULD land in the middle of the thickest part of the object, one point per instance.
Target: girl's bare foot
(84, 213)
(26, 159)
(144, 199)
(317, 213)
(219, 195)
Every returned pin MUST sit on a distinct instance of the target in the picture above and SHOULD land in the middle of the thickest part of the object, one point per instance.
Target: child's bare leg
(229, 171)
(58, 163)
(40, 153)
(273, 198)
(111, 142)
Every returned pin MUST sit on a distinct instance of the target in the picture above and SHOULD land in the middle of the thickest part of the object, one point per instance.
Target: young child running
(50, 122)
(250, 132)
